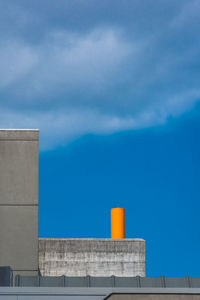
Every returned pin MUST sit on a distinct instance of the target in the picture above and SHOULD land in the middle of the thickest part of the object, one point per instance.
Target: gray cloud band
(109, 75)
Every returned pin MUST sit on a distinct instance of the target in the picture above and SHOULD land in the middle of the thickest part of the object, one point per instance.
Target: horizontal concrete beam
(19, 134)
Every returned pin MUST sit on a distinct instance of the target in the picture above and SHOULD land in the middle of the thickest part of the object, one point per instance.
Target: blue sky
(114, 88)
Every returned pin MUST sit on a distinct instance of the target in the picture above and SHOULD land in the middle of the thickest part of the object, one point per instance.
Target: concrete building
(94, 257)
(19, 200)
(19, 158)
(95, 269)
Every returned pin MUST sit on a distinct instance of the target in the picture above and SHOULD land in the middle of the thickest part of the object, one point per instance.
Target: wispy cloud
(109, 75)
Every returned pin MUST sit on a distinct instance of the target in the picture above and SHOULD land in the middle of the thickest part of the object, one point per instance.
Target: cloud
(58, 127)
(62, 65)
(16, 60)
(109, 75)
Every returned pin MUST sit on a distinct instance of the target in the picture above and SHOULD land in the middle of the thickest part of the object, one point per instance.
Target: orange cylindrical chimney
(117, 223)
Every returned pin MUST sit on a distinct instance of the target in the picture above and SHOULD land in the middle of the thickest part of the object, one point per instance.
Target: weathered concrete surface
(19, 200)
(95, 257)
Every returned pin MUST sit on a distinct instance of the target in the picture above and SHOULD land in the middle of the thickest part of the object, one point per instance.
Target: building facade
(19, 245)
(19, 200)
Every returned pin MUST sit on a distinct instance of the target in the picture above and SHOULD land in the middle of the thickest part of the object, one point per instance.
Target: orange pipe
(117, 223)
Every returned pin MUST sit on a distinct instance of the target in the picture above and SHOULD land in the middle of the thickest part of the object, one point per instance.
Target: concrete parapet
(94, 257)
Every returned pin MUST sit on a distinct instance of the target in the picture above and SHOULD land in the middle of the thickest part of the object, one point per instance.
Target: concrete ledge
(19, 134)
(90, 245)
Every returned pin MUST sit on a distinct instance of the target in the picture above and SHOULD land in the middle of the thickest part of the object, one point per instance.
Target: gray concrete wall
(19, 200)
(94, 257)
